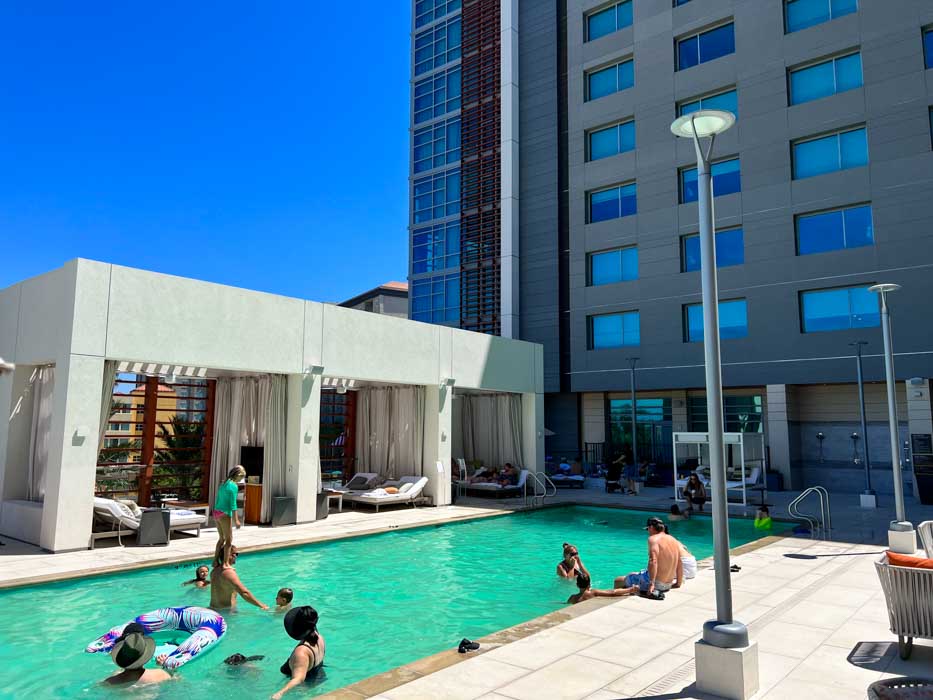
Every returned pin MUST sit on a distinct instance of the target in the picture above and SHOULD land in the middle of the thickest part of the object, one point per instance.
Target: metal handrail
(824, 524)
(548, 488)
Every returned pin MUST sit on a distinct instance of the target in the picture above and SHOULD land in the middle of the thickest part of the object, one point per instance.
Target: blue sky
(262, 145)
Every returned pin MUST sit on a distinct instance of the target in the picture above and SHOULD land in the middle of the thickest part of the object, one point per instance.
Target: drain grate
(679, 676)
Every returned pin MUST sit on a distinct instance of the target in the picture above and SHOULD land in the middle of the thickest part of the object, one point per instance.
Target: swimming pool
(384, 600)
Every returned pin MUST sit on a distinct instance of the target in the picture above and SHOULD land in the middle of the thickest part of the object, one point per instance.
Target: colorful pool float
(205, 626)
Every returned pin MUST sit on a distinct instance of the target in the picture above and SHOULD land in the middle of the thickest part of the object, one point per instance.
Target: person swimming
(239, 659)
(571, 565)
(307, 657)
(283, 600)
(200, 579)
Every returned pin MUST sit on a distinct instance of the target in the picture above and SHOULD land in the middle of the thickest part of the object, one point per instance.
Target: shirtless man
(225, 584)
(665, 567)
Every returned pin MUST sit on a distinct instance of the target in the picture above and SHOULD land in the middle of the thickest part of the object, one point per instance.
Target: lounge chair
(409, 491)
(499, 491)
(116, 519)
(360, 483)
(926, 537)
(571, 480)
(908, 591)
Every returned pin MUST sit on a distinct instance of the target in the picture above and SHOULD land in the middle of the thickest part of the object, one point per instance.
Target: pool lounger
(122, 520)
(497, 491)
(577, 480)
(409, 491)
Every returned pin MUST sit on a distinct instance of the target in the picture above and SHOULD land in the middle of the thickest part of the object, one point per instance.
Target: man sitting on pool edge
(665, 567)
(587, 591)
(225, 584)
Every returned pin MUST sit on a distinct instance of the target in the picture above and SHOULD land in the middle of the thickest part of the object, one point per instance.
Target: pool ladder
(821, 527)
(542, 487)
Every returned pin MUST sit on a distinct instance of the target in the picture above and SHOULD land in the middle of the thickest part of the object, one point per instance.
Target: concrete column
(533, 432)
(438, 428)
(594, 418)
(778, 433)
(919, 416)
(68, 510)
(679, 412)
(302, 452)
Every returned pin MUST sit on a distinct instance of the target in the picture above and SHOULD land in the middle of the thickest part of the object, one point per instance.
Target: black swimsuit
(563, 565)
(287, 670)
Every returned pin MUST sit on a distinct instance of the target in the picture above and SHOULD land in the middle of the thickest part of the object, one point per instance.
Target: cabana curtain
(491, 428)
(390, 430)
(106, 399)
(43, 387)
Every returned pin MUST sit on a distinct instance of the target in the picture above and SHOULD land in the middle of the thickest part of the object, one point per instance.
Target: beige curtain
(273, 406)
(106, 399)
(390, 430)
(491, 428)
(43, 390)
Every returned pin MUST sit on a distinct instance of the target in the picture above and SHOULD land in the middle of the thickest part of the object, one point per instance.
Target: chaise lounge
(496, 490)
(116, 519)
(409, 491)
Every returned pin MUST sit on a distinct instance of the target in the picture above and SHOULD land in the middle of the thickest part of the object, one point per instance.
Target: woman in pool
(200, 579)
(225, 513)
(571, 565)
(307, 658)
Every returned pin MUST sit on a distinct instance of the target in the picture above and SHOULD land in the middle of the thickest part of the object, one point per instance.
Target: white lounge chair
(361, 482)
(498, 489)
(577, 480)
(409, 491)
(121, 519)
(926, 537)
(909, 595)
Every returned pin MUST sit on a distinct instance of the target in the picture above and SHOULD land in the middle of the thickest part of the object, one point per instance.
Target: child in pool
(763, 519)
(283, 600)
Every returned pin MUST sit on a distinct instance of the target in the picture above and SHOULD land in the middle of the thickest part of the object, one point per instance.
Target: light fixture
(884, 287)
(702, 123)
(341, 389)
(447, 381)
(314, 369)
(6, 366)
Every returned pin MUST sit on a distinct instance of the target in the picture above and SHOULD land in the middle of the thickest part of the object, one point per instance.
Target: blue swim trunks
(643, 581)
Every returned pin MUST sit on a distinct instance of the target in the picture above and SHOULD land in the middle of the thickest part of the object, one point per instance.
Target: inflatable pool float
(205, 626)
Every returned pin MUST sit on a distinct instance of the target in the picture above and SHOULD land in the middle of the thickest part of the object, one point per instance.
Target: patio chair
(926, 537)
(115, 519)
(499, 491)
(907, 583)
(409, 491)
(360, 482)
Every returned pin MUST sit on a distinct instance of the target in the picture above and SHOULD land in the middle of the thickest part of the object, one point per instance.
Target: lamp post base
(726, 635)
(868, 499)
(727, 673)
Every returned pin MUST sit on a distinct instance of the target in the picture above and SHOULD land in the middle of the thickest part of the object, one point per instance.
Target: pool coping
(388, 680)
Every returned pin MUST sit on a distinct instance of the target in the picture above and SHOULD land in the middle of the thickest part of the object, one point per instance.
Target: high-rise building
(550, 202)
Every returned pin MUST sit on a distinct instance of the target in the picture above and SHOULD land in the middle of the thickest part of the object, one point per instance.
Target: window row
(819, 232)
(437, 46)
(436, 196)
(435, 247)
(426, 11)
(821, 310)
(436, 299)
(437, 145)
(437, 95)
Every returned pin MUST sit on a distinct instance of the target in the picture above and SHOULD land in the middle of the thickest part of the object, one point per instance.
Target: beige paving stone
(542, 648)
(680, 621)
(804, 582)
(858, 630)
(649, 673)
(814, 614)
(795, 641)
(634, 647)
(920, 663)
(751, 613)
(465, 681)
(828, 665)
(605, 622)
(841, 594)
(772, 669)
(570, 678)
(791, 689)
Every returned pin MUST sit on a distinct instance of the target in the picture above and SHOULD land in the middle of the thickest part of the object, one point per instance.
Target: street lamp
(724, 631)
(882, 290)
(6, 366)
(868, 498)
(632, 361)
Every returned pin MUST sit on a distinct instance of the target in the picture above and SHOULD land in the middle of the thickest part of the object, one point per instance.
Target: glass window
(846, 149)
(730, 249)
(437, 95)
(834, 230)
(800, 14)
(606, 81)
(706, 46)
(838, 309)
(612, 140)
(437, 145)
(436, 299)
(726, 180)
(733, 320)
(727, 101)
(435, 247)
(609, 20)
(614, 330)
(678, 3)
(620, 265)
(437, 196)
(426, 11)
(826, 78)
(612, 203)
(438, 45)
(741, 414)
(928, 48)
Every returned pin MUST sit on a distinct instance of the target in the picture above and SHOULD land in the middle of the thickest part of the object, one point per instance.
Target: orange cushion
(895, 559)
(391, 489)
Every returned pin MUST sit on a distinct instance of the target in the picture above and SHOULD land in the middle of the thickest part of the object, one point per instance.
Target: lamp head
(6, 366)
(702, 123)
(884, 287)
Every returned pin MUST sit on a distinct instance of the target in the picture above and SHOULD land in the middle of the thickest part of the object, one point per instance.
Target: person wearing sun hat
(132, 652)
(307, 658)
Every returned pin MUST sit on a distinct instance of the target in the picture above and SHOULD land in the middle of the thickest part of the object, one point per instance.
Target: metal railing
(819, 527)
(542, 486)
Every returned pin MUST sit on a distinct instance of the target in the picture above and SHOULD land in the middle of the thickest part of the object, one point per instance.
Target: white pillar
(778, 434)
(438, 428)
(302, 452)
(533, 432)
(68, 510)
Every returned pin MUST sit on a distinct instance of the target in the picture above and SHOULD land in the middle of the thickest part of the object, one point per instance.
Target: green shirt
(226, 498)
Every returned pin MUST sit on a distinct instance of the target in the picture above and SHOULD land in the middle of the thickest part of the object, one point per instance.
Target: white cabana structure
(92, 342)
(745, 461)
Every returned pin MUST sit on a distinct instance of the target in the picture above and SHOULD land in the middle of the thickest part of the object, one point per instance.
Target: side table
(154, 527)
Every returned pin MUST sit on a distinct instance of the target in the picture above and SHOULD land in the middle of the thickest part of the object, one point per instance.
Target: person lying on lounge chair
(508, 476)
(587, 591)
(489, 476)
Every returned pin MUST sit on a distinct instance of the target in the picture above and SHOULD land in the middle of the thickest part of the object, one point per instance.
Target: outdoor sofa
(907, 583)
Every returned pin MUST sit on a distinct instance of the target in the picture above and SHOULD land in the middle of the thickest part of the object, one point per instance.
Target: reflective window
(826, 78)
(800, 14)
(620, 265)
(614, 330)
(612, 203)
(733, 320)
(438, 45)
(609, 20)
(838, 309)
(437, 196)
(726, 180)
(727, 101)
(435, 247)
(437, 145)
(839, 151)
(437, 95)
(610, 141)
(834, 230)
(741, 414)
(426, 11)
(678, 3)
(706, 46)
(928, 48)
(730, 249)
(606, 81)
(436, 299)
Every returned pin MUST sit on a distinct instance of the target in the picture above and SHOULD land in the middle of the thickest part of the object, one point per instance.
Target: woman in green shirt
(225, 513)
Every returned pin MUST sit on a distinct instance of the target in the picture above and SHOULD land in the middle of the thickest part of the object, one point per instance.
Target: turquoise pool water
(384, 600)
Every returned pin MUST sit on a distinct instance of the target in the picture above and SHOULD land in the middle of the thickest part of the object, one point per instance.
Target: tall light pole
(724, 631)
(632, 361)
(868, 499)
(882, 290)
(6, 366)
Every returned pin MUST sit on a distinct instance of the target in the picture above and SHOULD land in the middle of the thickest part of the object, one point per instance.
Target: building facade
(821, 190)
(389, 299)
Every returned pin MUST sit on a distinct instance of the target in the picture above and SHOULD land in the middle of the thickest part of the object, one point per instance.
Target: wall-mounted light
(6, 366)
(341, 389)
(821, 436)
(447, 382)
(314, 370)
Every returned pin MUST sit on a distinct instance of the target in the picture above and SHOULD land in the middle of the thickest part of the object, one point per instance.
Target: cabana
(744, 455)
